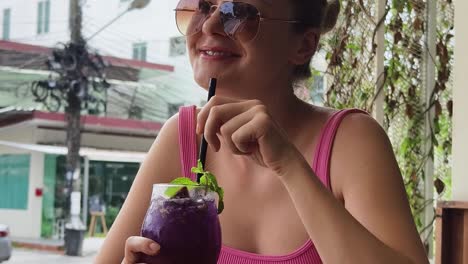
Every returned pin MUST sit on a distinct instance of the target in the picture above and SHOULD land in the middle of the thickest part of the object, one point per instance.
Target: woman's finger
(205, 111)
(247, 137)
(136, 245)
(234, 124)
(218, 116)
(228, 105)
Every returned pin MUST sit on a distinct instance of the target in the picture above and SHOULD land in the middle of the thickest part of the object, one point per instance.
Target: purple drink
(186, 225)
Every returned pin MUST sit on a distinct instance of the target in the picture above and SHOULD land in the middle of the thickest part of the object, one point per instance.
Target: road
(29, 256)
(25, 256)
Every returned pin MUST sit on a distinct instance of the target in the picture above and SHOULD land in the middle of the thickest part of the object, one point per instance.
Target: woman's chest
(259, 216)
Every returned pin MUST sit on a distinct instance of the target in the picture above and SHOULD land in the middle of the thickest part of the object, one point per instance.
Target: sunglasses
(241, 21)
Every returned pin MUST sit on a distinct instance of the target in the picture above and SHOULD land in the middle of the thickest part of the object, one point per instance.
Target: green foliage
(352, 82)
(46, 226)
(111, 214)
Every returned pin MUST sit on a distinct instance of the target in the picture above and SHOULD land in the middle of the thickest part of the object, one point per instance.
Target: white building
(149, 34)
(32, 182)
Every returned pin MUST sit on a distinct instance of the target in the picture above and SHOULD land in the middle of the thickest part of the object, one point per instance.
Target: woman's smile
(216, 53)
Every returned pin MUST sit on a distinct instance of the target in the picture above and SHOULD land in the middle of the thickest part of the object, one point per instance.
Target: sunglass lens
(190, 15)
(240, 20)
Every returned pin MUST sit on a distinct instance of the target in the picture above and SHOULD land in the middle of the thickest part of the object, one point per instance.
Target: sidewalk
(91, 245)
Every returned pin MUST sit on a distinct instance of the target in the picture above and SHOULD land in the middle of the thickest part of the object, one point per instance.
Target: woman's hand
(246, 128)
(135, 246)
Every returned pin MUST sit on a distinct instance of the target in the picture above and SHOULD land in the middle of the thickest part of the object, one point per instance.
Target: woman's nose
(213, 25)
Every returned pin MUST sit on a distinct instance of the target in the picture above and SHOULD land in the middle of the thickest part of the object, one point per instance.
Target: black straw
(204, 144)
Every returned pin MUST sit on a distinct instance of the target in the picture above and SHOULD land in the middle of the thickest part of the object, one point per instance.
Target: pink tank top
(307, 254)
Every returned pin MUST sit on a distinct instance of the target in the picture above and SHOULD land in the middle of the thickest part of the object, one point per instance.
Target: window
(139, 51)
(135, 112)
(177, 46)
(43, 17)
(6, 24)
(14, 181)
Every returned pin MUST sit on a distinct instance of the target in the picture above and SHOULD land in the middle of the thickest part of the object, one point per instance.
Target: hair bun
(330, 16)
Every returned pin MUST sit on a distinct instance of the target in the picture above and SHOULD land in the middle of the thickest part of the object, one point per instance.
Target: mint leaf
(183, 181)
(172, 191)
(199, 169)
(203, 180)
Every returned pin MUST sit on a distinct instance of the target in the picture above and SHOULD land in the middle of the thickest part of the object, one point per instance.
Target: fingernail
(154, 247)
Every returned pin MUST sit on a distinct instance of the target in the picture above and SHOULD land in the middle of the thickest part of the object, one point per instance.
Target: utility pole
(73, 109)
(76, 18)
(75, 228)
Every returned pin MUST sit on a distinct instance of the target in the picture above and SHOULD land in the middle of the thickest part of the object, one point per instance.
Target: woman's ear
(306, 48)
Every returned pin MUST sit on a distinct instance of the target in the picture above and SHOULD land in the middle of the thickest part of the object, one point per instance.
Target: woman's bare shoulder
(361, 149)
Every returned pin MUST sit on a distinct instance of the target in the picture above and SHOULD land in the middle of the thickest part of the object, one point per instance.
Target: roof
(10, 116)
(28, 48)
(90, 153)
(27, 56)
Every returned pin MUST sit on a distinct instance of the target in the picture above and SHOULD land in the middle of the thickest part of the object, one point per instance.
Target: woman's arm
(375, 225)
(160, 165)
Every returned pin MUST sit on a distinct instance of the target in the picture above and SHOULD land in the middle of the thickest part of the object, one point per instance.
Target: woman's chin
(203, 78)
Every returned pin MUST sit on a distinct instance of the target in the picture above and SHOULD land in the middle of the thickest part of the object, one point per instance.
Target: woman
(317, 174)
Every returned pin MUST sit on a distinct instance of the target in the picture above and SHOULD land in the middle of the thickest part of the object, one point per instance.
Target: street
(26, 256)
(29, 256)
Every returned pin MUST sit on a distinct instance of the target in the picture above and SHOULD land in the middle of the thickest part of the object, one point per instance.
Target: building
(147, 35)
(32, 175)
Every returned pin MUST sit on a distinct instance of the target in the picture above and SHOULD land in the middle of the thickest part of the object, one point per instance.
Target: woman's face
(242, 65)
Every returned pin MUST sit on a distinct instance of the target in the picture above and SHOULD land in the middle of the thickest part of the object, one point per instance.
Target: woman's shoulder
(352, 120)
(355, 127)
(170, 127)
(360, 146)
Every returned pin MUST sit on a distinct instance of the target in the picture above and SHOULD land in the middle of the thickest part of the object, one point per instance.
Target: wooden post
(452, 233)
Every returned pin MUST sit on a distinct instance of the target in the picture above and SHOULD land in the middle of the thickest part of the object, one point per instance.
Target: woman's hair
(320, 14)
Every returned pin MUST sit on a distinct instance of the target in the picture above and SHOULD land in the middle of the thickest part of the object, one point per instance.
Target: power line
(126, 35)
(35, 22)
(119, 50)
(38, 37)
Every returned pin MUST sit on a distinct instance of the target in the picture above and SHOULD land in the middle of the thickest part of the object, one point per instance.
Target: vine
(352, 82)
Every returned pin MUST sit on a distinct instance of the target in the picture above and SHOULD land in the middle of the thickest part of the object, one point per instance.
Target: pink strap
(322, 156)
(188, 140)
